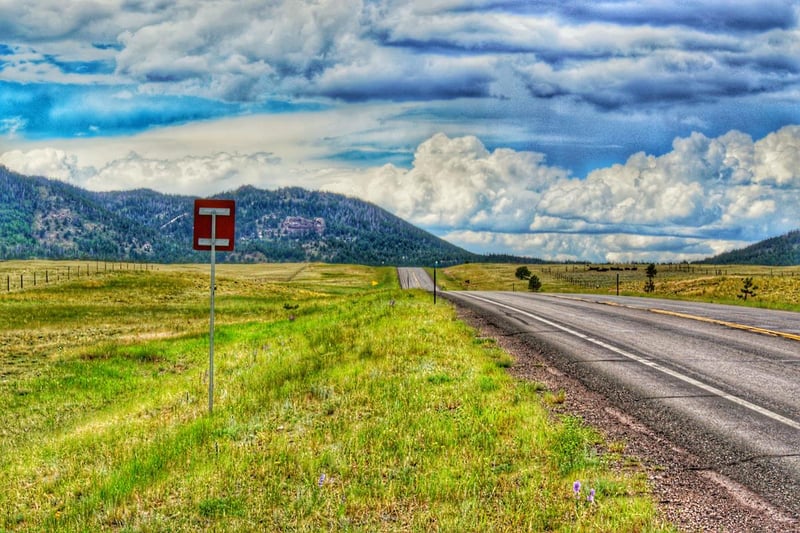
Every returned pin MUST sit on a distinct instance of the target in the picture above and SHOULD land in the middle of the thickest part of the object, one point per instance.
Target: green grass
(341, 404)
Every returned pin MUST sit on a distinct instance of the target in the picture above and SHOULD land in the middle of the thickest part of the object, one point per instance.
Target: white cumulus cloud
(458, 182)
(730, 184)
(703, 197)
(47, 162)
(205, 175)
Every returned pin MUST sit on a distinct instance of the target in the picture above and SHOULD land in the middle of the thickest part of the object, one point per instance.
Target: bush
(523, 273)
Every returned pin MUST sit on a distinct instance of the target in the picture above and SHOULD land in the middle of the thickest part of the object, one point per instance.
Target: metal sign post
(211, 322)
(209, 235)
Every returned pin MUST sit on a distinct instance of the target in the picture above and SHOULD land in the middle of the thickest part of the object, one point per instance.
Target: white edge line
(682, 377)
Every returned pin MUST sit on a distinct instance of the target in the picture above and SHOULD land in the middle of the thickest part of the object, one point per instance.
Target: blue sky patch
(82, 67)
(63, 111)
(360, 157)
(108, 46)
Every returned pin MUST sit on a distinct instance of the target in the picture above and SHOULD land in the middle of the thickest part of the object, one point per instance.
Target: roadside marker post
(435, 265)
(214, 229)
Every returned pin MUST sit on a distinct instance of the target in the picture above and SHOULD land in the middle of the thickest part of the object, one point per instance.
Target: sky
(597, 130)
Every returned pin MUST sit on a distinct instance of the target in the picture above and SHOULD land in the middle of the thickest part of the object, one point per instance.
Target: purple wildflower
(576, 488)
(590, 497)
(321, 480)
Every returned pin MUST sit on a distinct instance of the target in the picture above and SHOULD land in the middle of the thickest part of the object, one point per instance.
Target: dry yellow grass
(778, 287)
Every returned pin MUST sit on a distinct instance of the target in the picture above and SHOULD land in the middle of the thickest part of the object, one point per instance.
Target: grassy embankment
(778, 287)
(342, 404)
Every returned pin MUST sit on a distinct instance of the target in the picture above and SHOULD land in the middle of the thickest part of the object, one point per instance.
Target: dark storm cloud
(715, 16)
(718, 16)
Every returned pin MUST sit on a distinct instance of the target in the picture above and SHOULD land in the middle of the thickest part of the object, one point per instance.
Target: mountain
(46, 218)
(777, 251)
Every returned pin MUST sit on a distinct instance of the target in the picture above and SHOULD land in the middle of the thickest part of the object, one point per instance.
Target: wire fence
(30, 278)
(591, 277)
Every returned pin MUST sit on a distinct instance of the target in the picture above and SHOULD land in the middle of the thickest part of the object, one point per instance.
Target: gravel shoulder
(689, 495)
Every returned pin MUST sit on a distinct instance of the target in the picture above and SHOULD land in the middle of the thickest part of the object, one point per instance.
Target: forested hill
(43, 218)
(777, 251)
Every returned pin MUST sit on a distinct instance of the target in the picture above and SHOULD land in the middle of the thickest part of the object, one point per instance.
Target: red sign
(222, 213)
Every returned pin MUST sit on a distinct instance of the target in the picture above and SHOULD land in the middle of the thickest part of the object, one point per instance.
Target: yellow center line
(734, 325)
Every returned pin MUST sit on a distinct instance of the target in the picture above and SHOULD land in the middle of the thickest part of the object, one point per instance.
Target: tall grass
(342, 404)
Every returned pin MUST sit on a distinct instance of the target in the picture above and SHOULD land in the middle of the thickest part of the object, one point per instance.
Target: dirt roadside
(689, 495)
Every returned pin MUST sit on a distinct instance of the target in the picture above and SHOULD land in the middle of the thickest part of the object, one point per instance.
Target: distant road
(414, 278)
(721, 381)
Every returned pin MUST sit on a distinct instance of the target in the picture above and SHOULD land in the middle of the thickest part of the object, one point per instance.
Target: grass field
(778, 287)
(342, 403)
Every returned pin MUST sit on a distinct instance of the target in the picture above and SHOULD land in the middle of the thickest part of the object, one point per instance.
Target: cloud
(666, 66)
(744, 16)
(48, 162)
(458, 182)
(391, 76)
(440, 110)
(609, 54)
(50, 19)
(775, 159)
(611, 248)
(614, 55)
(239, 51)
(203, 175)
(704, 196)
(703, 187)
(65, 110)
(517, 73)
(11, 125)
(233, 51)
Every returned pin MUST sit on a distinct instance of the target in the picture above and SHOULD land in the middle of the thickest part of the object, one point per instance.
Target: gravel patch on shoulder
(688, 495)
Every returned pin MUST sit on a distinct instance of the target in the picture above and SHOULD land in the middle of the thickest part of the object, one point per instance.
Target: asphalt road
(721, 381)
(414, 278)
